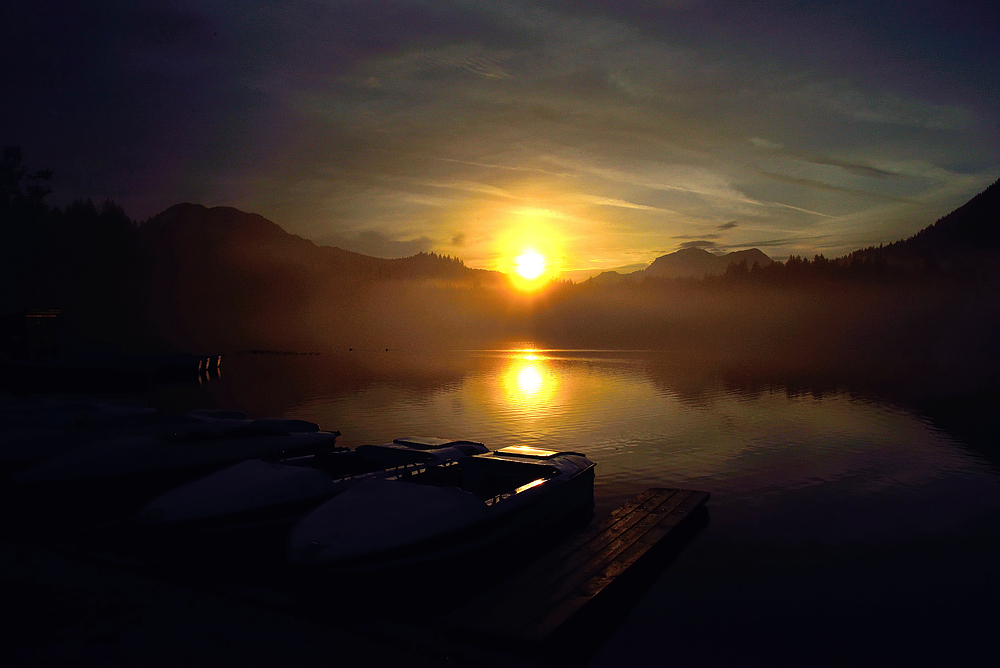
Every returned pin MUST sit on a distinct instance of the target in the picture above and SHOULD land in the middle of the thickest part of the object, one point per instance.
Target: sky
(602, 134)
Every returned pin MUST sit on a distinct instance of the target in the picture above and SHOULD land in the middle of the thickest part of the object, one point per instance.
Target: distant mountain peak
(692, 251)
(188, 218)
(698, 263)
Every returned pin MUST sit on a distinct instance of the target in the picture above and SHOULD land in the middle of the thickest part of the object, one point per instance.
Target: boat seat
(486, 479)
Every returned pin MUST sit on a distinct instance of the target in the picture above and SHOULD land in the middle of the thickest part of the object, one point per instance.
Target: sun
(530, 249)
(530, 265)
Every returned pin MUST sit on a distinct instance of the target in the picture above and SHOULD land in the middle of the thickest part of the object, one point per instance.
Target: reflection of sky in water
(793, 458)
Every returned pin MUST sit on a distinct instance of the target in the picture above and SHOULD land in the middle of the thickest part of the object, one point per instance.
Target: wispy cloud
(701, 243)
(513, 168)
(623, 204)
(471, 187)
(404, 67)
(819, 185)
(884, 107)
(858, 168)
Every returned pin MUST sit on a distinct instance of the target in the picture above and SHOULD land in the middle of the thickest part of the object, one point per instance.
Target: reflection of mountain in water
(968, 417)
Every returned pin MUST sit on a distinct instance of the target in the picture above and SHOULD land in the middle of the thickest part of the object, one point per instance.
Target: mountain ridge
(686, 263)
(231, 233)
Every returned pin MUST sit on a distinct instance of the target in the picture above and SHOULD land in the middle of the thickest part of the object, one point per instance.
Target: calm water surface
(842, 530)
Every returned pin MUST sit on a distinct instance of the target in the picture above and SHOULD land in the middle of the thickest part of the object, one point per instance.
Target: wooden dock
(535, 602)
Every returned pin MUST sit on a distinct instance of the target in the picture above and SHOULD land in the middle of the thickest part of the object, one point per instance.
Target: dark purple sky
(602, 133)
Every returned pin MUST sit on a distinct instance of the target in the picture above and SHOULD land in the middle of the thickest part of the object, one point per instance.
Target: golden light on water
(529, 381)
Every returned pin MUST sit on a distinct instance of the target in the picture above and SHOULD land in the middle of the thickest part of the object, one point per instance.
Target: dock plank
(587, 580)
(534, 602)
(577, 598)
(591, 558)
(546, 571)
(591, 541)
(486, 603)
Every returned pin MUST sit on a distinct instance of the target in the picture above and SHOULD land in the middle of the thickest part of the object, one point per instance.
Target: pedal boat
(267, 492)
(445, 513)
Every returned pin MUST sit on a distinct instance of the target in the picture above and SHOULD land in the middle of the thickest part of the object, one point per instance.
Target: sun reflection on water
(528, 381)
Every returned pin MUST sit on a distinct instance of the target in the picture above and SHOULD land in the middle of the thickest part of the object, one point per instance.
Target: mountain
(224, 279)
(607, 278)
(687, 263)
(698, 263)
(963, 243)
(976, 223)
(192, 232)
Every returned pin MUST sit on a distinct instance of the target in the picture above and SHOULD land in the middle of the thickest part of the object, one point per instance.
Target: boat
(444, 515)
(121, 473)
(63, 411)
(272, 491)
(28, 444)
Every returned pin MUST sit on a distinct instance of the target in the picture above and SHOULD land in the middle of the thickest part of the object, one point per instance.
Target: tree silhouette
(17, 185)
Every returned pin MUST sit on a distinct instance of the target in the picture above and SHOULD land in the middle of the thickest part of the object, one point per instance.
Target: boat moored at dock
(445, 513)
(278, 491)
(119, 474)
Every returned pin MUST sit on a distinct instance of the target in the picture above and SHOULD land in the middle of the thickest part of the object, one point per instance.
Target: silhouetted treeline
(893, 263)
(83, 259)
(802, 270)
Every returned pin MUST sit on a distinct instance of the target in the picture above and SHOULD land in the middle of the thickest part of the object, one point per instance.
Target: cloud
(792, 242)
(377, 244)
(471, 57)
(885, 107)
(857, 168)
(854, 167)
(463, 186)
(458, 239)
(700, 243)
(728, 226)
(506, 167)
(623, 204)
(819, 185)
(764, 143)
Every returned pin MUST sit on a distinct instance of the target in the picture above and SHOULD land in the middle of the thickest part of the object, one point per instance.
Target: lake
(842, 529)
